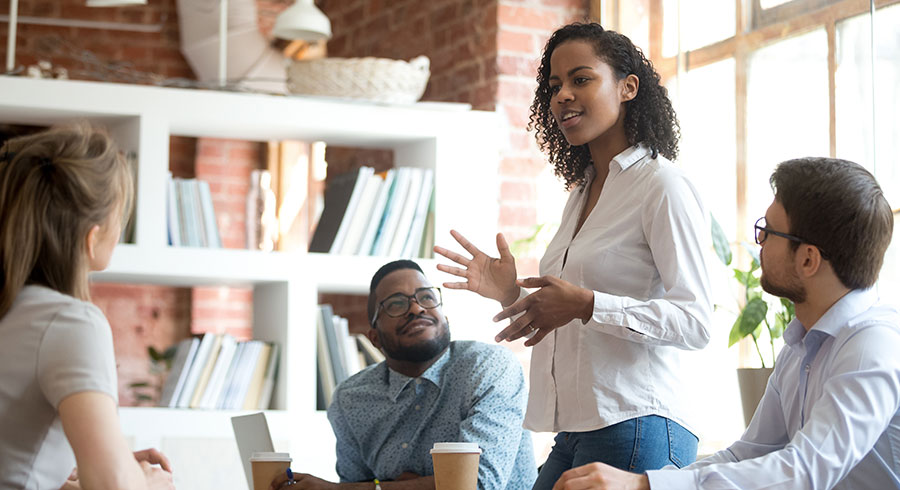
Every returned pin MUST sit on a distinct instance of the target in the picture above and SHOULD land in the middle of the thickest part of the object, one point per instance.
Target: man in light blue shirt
(830, 416)
(429, 389)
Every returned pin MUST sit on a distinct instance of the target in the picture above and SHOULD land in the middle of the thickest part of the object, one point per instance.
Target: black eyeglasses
(762, 233)
(397, 305)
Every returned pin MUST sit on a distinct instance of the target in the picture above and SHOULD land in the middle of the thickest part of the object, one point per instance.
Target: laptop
(251, 432)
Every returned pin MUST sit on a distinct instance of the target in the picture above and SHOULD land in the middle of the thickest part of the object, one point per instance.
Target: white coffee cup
(455, 465)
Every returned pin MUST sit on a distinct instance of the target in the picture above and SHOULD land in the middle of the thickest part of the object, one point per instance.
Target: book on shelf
(384, 214)
(181, 363)
(190, 214)
(217, 378)
(268, 387)
(243, 375)
(360, 219)
(374, 223)
(325, 372)
(339, 354)
(173, 223)
(195, 370)
(369, 352)
(337, 197)
(254, 387)
(392, 211)
(335, 344)
(219, 372)
(406, 212)
(206, 373)
(413, 241)
(427, 247)
(359, 186)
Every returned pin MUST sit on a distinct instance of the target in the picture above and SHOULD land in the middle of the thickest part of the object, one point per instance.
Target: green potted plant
(755, 316)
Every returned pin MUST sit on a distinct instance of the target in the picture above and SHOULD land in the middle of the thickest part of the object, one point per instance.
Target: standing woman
(623, 286)
(63, 195)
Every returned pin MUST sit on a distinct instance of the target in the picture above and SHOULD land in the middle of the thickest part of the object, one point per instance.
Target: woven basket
(376, 79)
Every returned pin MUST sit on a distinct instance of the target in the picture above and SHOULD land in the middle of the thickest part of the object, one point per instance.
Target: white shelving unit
(462, 146)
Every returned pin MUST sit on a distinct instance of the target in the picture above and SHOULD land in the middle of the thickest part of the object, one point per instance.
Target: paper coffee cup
(455, 465)
(268, 466)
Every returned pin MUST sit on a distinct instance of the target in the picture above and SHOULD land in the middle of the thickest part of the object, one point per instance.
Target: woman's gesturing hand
(555, 304)
(488, 276)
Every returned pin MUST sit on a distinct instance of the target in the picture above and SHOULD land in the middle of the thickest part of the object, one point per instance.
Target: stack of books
(339, 354)
(386, 214)
(218, 372)
(190, 215)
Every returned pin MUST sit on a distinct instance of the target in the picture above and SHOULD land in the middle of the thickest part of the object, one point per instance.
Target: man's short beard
(425, 350)
(794, 292)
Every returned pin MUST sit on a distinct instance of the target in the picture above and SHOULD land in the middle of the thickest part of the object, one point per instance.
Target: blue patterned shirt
(386, 423)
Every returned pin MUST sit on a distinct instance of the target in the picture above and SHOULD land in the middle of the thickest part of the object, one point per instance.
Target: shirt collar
(397, 382)
(836, 318)
(630, 156)
(627, 158)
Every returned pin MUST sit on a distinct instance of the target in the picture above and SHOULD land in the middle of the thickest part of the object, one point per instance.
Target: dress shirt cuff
(673, 479)
(608, 309)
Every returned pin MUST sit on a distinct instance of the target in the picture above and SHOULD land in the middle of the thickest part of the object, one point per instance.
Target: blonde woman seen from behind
(63, 195)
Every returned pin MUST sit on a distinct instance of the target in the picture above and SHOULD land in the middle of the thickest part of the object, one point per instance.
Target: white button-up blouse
(641, 250)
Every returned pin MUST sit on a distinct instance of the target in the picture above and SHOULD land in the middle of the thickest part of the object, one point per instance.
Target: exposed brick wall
(524, 27)
(458, 36)
(152, 52)
(227, 165)
(142, 316)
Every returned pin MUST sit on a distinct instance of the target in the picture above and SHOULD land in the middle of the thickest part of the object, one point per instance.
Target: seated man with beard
(429, 389)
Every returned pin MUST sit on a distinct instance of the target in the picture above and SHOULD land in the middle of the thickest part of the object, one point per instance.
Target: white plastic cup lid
(267, 456)
(455, 447)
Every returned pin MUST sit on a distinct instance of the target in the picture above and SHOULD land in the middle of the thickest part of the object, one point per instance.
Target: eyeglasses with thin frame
(397, 305)
(762, 233)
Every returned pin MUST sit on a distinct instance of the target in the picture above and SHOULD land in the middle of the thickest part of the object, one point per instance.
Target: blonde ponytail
(54, 186)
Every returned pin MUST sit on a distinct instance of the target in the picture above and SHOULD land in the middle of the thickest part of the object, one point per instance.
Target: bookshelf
(461, 146)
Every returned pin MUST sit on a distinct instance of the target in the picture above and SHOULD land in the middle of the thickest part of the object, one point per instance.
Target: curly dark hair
(649, 117)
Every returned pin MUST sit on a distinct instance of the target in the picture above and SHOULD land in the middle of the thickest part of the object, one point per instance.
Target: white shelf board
(255, 117)
(189, 266)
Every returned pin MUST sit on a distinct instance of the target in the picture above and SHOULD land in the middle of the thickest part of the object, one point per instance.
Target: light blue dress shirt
(386, 423)
(830, 416)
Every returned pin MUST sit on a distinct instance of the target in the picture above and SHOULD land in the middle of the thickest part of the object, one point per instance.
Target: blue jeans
(636, 445)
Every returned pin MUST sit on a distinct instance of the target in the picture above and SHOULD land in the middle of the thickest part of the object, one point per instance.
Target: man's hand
(599, 476)
(555, 304)
(302, 481)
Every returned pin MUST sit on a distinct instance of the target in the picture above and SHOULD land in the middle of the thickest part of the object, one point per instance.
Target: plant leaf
(720, 241)
(741, 276)
(735, 335)
(154, 354)
(749, 321)
(139, 384)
